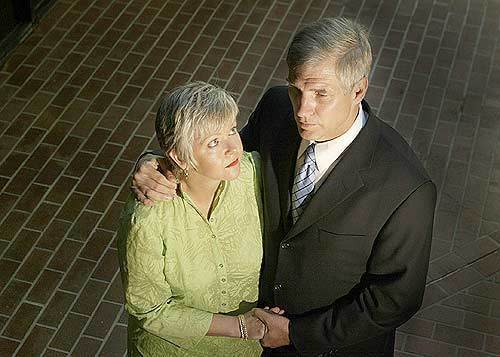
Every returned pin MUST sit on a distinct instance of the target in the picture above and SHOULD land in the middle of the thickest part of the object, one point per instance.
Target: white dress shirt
(329, 151)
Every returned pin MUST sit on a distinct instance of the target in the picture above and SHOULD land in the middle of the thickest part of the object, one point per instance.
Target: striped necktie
(303, 184)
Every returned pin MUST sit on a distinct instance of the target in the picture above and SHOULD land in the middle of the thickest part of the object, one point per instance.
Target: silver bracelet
(243, 327)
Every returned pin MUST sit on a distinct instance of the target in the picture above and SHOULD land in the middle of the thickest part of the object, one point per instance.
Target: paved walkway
(77, 105)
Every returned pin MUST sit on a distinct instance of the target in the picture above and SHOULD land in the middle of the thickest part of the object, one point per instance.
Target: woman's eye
(213, 143)
(234, 130)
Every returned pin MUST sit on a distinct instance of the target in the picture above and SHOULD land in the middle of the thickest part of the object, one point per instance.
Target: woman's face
(218, 155)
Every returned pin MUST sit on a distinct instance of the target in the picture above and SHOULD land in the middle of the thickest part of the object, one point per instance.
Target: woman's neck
(202, 191)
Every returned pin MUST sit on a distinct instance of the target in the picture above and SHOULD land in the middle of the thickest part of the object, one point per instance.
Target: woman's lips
(234, 163)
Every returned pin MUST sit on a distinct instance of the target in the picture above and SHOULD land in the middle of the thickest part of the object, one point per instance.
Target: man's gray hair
(339, 39)
(192, 112)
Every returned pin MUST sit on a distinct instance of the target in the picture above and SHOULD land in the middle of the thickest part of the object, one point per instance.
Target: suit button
(285, 245)
(278, 287)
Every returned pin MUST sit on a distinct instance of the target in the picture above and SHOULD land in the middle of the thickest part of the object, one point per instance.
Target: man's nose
(305, 107)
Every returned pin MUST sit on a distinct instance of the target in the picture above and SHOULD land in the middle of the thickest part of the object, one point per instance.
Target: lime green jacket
(179, 268)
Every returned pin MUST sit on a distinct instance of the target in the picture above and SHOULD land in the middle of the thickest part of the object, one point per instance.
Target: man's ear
(360, 89)
(173, 155)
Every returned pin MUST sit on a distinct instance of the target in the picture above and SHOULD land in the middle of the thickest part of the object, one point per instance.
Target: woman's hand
(255, 327)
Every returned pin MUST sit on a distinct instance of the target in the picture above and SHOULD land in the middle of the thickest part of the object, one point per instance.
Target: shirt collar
(328, 151)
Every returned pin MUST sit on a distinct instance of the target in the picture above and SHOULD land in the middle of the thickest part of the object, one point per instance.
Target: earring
(185, 174)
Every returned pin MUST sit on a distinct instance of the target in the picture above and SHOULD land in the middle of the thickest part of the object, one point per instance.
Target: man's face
(322, 110)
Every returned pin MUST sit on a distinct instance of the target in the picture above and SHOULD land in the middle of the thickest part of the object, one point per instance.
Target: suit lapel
(347, 177)
(341, 183)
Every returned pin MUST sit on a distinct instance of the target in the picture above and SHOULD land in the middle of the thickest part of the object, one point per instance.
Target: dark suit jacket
(354, 265)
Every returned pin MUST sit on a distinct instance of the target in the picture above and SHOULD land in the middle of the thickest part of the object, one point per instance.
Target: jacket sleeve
(148, 296)
(250, 133)
(272, 107)
(389, 292)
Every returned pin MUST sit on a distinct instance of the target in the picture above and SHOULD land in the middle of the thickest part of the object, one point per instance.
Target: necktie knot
(303, 184)
(310, 156)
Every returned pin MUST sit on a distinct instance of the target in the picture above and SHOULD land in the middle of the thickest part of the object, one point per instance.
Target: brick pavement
(77, 102)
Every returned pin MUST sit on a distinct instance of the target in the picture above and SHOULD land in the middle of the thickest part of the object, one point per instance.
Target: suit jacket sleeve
(250, 133)
(390, 291)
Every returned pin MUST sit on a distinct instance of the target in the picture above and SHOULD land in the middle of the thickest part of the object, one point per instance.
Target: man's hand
(277, 328)
(149, 184)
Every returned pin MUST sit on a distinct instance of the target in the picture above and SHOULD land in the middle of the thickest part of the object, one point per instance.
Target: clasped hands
(269, 326)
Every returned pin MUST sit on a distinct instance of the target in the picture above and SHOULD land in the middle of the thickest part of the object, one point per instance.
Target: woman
(190, 266)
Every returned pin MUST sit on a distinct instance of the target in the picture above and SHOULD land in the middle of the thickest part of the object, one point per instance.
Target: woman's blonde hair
(190, 112)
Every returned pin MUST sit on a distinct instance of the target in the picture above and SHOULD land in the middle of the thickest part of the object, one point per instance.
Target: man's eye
(213, 143)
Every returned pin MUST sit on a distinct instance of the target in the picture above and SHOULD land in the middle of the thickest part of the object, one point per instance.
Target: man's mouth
(306, 125)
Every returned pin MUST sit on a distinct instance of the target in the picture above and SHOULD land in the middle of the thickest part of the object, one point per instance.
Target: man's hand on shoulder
(149, 184)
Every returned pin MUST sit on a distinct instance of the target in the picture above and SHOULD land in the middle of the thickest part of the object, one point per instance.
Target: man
(348, 207)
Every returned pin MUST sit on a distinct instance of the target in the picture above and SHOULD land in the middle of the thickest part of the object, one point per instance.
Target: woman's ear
(173, 155)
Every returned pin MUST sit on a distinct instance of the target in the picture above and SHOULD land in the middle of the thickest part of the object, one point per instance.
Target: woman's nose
(233, 146)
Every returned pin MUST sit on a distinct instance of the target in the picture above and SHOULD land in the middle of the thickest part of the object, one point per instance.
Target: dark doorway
(16, 19)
